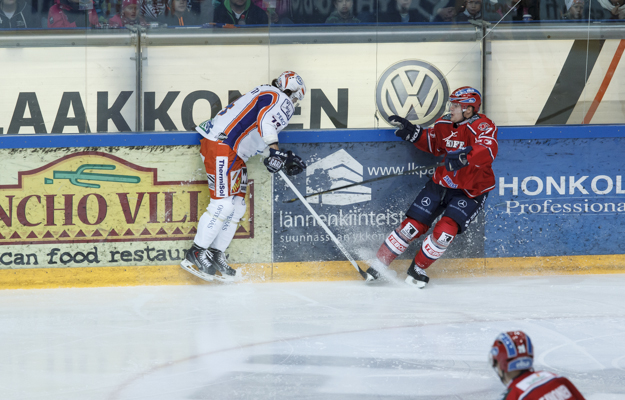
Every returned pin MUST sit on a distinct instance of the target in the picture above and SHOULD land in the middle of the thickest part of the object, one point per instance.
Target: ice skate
(220, 261)
(417, 276)
(198, 261)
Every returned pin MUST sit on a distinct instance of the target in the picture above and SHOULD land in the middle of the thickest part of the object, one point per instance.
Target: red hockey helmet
(467, 96)
(512, 351)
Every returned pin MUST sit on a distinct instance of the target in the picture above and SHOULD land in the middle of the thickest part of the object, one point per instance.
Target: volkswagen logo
(412, 89)
(425, 201)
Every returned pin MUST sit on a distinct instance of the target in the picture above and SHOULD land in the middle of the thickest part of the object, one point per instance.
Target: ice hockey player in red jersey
(512, 356)
(458, 190)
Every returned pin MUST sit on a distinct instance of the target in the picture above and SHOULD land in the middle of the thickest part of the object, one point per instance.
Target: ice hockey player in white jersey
(246, 127)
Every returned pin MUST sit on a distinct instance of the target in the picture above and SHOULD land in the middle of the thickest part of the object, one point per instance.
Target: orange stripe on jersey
(263, 111)
(241, 115)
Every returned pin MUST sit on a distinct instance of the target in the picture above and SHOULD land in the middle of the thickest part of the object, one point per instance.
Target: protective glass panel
(166, 66)
(557, 73)
(67, 80)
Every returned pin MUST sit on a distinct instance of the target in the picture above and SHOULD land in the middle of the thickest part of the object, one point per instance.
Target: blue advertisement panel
(557, 197)
(361, 216)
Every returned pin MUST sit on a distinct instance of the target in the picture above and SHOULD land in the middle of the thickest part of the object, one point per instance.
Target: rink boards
(353, 85)
(108, 212)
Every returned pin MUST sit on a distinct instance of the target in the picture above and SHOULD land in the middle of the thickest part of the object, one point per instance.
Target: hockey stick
(322, 224)
(368, 181)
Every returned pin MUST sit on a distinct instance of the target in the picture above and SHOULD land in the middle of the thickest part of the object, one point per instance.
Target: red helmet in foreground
(512, 351)
(467, 96)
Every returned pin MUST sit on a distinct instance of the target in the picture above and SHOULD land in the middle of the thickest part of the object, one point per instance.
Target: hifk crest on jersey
(453, 144)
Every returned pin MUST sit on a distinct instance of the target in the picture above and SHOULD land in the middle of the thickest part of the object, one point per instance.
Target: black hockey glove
(407, 130)
(294, 164)
(457, 159)
(275, 161)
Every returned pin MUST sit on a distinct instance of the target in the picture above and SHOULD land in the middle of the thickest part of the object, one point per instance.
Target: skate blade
(228, 278)
(415, 283)
(187, 266)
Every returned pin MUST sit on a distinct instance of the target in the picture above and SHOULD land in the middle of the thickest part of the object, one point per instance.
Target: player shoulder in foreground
(512, 358)
(484, 129)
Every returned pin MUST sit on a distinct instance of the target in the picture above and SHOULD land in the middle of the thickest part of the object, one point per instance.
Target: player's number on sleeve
(225, 110)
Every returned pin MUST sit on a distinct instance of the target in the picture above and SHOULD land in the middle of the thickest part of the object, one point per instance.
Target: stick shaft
(367, 181)
(322, 224)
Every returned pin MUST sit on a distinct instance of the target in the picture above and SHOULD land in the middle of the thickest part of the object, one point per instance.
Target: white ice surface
(336, 340)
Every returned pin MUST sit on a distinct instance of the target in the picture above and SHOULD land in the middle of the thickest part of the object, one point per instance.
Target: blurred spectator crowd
(29, 14)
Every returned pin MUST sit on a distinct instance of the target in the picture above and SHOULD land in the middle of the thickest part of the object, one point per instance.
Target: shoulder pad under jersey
(474, 118)
(445, 119)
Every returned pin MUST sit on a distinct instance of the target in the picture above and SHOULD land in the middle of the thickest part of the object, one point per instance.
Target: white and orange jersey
(252, 122)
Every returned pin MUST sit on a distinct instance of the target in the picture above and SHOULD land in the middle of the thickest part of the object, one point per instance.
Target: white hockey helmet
(294, 84)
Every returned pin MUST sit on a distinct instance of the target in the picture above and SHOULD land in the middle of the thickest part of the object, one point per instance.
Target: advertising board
(96, 208)
(556, 198)
(360, 216)
(555, 209)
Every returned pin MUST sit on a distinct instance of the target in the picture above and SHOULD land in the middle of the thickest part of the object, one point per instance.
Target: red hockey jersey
(541, 385)
(480, 133)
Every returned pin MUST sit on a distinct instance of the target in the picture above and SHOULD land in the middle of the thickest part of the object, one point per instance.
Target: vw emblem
(462, 203)
(425, 201)
(412, 89)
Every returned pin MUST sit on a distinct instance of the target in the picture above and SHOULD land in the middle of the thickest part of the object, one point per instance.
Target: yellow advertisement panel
(99, 209)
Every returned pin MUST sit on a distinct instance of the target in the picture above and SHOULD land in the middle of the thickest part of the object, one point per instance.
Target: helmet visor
(297, 96)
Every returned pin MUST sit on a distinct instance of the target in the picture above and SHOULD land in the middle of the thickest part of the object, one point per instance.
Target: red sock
(397, 242)
(432, 249)
(422, 261)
